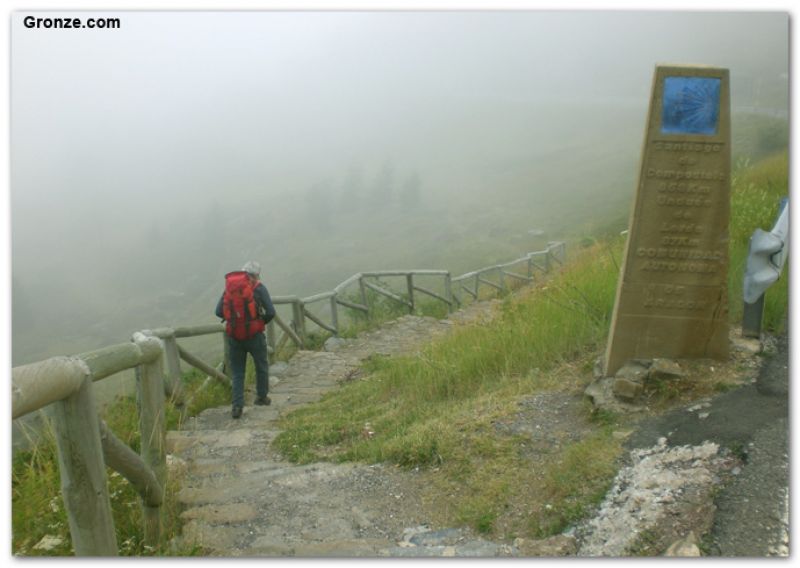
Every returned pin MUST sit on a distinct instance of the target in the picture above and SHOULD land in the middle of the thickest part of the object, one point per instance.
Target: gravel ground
(752, 424)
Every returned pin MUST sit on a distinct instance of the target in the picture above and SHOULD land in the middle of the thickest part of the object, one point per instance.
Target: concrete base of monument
(601, 394)
(631, 387)
(625, 391)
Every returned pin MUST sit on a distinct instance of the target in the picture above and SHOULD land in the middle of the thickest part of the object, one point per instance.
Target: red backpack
(239, 307)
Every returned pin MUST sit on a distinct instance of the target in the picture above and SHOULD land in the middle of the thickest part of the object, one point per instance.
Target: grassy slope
(437, 410)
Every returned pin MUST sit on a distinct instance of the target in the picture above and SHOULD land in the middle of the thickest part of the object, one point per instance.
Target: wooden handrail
(39, 384)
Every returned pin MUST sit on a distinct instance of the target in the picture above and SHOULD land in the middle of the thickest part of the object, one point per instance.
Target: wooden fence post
(299, 322)
(152, 426)
(363, 289)
(448, 292)
(335, 315)
(174, 381)
(83, 473)
(410, 286)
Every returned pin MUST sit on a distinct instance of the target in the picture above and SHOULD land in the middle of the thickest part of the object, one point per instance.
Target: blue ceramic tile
(691, 105)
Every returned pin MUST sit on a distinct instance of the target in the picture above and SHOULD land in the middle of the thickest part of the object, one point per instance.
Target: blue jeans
(238, 350)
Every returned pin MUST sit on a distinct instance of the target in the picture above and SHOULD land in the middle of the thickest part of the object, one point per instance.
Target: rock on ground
(650, 492)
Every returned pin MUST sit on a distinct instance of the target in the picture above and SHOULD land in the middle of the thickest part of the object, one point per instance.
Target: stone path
(242, 499)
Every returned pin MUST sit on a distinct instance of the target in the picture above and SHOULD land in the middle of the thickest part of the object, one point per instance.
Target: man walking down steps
(246, 308)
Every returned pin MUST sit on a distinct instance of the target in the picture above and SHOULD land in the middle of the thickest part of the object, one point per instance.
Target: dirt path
(242, 499)
(685, 472)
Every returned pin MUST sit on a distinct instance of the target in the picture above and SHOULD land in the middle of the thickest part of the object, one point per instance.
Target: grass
(37, 507)
(755, 196)
(577, 481)
(436, 410)
(531, 333)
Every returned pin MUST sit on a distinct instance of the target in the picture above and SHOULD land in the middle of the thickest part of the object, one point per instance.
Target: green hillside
(438, 410)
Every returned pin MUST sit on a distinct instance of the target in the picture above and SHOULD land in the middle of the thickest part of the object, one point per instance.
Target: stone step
(239, 498)
(207, 467)
(198, 442)
(220, 418)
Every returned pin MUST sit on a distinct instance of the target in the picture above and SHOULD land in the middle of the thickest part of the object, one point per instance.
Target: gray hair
(252, 267)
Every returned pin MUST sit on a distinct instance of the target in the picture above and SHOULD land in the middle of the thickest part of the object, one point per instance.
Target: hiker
(246, 308)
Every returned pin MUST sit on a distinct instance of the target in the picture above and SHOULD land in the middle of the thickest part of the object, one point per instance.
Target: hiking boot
(237, 412)
(262, 401)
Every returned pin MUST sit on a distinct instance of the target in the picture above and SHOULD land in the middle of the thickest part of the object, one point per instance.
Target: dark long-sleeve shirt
(262, 298)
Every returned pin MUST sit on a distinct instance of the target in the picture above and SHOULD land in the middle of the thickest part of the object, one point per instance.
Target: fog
(149, 160)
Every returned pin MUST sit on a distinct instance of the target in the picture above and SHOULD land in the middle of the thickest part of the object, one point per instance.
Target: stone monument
(671, 297)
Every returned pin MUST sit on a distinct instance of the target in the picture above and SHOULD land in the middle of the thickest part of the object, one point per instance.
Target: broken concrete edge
(622, 391)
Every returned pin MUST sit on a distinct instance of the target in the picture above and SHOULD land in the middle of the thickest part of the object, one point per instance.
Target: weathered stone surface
(48, 543)
(442, 537)
(227, 513)
(334, 343)
(211, 537)
(672, 293)
(633, 371)
(238, 438)
(339, 548)
(416, 551)
(481, 549)
(627, 389)
(685, 547)
(601, 395)
(477, 548)
(598, 368)
(278, 368)
(646, 493)
(665, 370)
(208, 468)
(558, 545)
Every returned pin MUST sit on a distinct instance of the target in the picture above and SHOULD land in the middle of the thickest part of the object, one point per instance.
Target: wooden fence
(86, 445)
(84, 442)
(353, 293)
